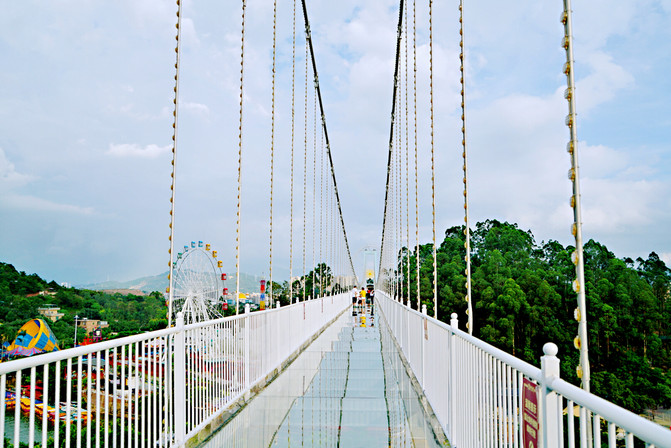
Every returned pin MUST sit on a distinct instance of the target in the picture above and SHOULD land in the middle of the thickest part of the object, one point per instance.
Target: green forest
(522, 294)
(523, 298)
(126, 314)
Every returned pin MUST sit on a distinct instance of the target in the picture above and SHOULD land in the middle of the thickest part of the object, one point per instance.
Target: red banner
(530, 413)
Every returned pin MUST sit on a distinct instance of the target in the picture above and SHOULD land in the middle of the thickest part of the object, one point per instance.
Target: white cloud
(12, 181)
(109, 85)
(196, 108)
(602, 161)
(33, 203)
(617, 206)
(9, 177)
(134, 150)
(602, 84)
(666, 256)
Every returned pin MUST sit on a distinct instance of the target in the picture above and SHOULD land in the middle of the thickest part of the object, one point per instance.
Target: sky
(86, 90)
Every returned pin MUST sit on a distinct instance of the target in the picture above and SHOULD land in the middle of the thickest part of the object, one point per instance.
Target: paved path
(347, 389)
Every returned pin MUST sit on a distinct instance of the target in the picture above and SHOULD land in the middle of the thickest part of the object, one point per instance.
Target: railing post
(247, 356)
(423, 334)
(550, 399)
(454, 408)
(279, 356)
(180, 382)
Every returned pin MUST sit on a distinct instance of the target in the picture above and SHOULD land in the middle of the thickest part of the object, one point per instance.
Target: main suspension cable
(383, 248)
(308, 36)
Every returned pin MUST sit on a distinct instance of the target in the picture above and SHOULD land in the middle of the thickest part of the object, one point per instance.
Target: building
(50, 312)
(92, 324)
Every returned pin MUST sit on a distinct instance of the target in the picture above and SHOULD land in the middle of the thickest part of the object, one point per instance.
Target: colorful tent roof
(35, 336)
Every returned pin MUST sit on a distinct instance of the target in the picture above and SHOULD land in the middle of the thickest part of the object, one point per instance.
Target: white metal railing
(476, 391)
(156, 389)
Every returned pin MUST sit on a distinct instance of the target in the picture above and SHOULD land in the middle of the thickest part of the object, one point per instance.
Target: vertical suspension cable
(237, 231)
(581, 341)
(394, 248)
(407, 167)
(467, 230)
(321, 210)
(414, 109)
(399, 250)
(325, 229)
(293, 130)
(305, 168)
(385, 272)
(308, 36)
(334, 242)
(314, 192)
(175, 115)
(433, 166)
(272, 158)
(396, 200)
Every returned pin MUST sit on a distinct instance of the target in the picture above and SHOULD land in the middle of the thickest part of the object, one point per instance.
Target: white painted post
(180, 382)
(278, 355)
(423, 348)
(550, 416)
(247, 356)
(452, 387)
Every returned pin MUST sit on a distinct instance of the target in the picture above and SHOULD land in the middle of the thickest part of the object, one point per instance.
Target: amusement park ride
(198, 290)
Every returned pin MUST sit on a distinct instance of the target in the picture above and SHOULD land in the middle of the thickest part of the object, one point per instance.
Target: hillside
(22, 294)
(129, 307)
(248, 283)
(522, 298)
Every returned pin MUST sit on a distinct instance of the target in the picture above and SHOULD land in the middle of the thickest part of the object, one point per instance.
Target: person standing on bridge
(355, 295)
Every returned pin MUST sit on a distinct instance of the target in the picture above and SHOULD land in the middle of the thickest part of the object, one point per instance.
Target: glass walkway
(348, 388)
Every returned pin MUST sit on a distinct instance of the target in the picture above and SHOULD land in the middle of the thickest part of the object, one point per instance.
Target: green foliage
(126, 314)
(523, 298)
(309, 285)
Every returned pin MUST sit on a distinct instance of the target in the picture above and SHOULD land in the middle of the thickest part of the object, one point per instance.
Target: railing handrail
(183, 378)
(82, 350)
(523, 366)
(649, 431)
(61, 355)
(549, 383)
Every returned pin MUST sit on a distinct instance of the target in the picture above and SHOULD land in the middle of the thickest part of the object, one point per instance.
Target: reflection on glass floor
(347, 389)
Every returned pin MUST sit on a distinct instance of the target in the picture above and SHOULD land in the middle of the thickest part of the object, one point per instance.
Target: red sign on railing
(530, 413)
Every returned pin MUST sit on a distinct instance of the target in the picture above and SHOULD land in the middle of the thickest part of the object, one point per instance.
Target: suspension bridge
(327, 368)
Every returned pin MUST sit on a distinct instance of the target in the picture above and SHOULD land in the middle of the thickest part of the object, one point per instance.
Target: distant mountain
(146, 284)
(248, 283)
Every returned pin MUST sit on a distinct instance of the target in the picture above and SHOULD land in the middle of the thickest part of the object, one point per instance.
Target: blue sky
(85, 126)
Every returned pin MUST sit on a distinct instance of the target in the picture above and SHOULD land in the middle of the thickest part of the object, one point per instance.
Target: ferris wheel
(198, 283)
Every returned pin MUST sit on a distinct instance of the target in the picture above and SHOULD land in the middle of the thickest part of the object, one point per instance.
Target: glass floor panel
(347, 389)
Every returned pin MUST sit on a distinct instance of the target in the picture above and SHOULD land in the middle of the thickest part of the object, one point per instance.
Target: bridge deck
(348, 388)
